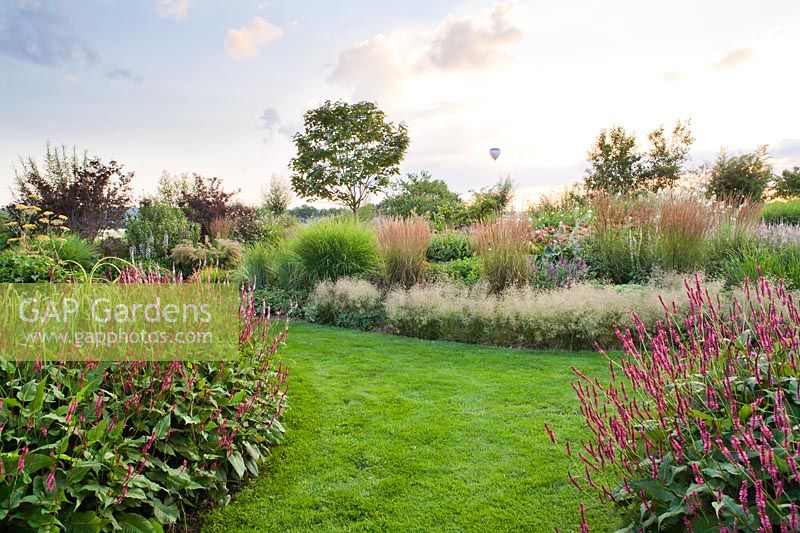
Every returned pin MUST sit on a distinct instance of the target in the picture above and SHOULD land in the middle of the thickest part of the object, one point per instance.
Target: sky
(219, 88)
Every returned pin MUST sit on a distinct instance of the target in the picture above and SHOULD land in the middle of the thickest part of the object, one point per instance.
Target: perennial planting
(698, 425)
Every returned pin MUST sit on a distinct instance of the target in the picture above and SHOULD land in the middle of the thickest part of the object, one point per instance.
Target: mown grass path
(386, 433)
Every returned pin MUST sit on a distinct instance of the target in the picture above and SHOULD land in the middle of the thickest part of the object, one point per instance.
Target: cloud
(672, 76)
(271, 121)
(379, 66)
(370, 68)
(734, 58)
(245, 42)
(33, 33)
(124, 74)
(474, 42)
(786, 154)
(173, 9)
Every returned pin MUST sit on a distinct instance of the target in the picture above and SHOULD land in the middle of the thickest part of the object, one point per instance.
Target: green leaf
(237, 462)
(165, 514)
(163, 426)
(83, 522)
(134, 523)
(38, 400)
(744, 412)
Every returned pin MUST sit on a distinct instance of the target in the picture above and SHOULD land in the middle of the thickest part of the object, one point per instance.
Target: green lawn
(389, 433)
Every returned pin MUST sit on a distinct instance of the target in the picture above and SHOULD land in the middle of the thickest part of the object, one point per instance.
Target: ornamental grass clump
(403, 243)
(699, 424)
(503, 246)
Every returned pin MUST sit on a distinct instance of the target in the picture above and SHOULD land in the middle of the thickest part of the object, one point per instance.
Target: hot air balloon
(495, 153)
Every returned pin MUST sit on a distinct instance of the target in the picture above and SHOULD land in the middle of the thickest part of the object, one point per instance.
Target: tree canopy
(618, 165)
(93, 195)
(740, 177)
(346, 153)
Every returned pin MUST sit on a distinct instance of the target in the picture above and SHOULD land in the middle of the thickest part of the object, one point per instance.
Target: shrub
(113, 246)
(740, 177)
(222, 253)
(403, 243)
(776, 212)
(569, 318)
(449, 246)
(420, 194)
(347, 303)
(333, 249)
(568, 209)
(698, 426)
(503, 247)
(92, 194)
(91, 446)
(467, 271)
(156, 229)
(787, 185)
(23, 266)
(72, 251)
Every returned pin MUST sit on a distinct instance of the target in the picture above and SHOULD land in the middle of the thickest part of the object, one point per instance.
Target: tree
(787, 185)
(346, 153)
(618, 166)
(492, 201)
(93, 195)
(419, 194)
(740, 177)
(278, 196)
(663, 164)
(202, 199)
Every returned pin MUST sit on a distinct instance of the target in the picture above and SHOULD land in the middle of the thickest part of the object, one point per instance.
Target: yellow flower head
(12, 223)
(56, 222)
(21, 207)
(47, 213)
(43, 238)
(29, 226)
(44, 220)
(62, 217)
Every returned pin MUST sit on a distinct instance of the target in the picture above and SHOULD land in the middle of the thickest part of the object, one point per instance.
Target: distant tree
(787, 185)
(171, 188)
(420, 194)
(664, 163)
(278, 195)
(492, 201)
(202, 199)
(93, 195)
(618, 166)
(305, 212)
(346, 153)
(740, 177)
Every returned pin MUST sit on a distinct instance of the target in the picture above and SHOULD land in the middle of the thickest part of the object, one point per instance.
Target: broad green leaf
(85, 522)
(163, 426)
(237, 462)
(134, 523)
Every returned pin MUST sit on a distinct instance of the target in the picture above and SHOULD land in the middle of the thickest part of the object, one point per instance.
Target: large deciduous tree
(346, 153)
(93, 195)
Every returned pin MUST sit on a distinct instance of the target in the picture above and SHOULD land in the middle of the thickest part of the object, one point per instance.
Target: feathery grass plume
(503, 246)
(347, 303)
(403, 243)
